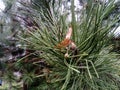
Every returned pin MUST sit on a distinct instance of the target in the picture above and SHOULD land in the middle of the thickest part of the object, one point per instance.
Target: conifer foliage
(72, 55)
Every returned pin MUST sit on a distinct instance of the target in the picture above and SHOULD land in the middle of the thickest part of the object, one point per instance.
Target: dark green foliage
(93, 67)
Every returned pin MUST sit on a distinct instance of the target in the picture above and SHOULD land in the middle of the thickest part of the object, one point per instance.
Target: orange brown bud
(63, 44)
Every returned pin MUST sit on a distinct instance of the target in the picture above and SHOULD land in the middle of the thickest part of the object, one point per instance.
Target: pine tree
(76, 55)
(64, 55)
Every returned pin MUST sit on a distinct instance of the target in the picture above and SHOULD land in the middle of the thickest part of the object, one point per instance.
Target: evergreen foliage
(90, 66)
(50, 63)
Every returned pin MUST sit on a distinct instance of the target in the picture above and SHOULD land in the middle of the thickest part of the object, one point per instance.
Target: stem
(73, 18)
